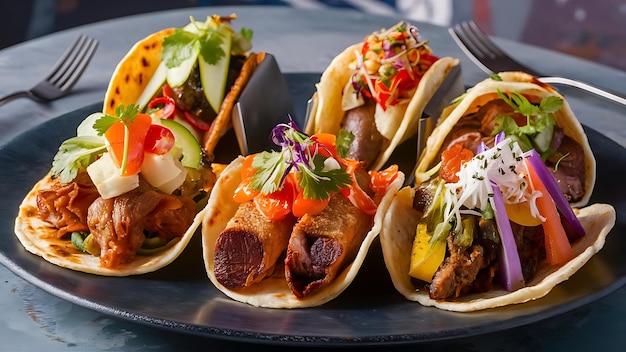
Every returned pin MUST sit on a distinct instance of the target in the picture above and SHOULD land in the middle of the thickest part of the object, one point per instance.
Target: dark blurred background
(594, 30)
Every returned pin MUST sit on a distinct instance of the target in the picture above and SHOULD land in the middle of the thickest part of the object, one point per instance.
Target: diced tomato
(137, 131)
(196, 122)
(451, 161)
(328, 141)
(168, 91)
(244, 193)
(167, 107)
(379, 180)
(247, 171)
(159, 140)
(276, 206)
(302, 205)
(355, 193)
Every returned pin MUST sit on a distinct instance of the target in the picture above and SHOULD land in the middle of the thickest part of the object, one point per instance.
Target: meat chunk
(322, 245)
(250, 246)
(65, 206)
(568, 166)
(458, 271)
(118, 223)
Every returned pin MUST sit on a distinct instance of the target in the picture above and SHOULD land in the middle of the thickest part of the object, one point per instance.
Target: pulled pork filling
(478, 127)
(119, 224)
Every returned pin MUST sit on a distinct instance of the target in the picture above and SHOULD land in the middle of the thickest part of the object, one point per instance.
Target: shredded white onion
(503, 165)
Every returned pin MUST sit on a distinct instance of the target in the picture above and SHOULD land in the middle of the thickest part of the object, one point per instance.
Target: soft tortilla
(397, 237)
(134, 71)
(132, 74)
(485, 91)
(273, 292)
(39, 238)
(397, 123)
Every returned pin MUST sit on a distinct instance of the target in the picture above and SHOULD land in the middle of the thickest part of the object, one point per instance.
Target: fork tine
(485, 53)
(61, 65)
(469, 46)
(79, 65)
(69, 67)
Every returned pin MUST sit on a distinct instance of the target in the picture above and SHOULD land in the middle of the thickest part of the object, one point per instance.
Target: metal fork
(63, 75)
(479, 47)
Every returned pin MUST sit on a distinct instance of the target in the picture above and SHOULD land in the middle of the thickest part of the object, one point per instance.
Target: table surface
(303, 41)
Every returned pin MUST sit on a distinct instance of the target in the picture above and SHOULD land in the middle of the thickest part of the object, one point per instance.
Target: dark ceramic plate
(370, 312)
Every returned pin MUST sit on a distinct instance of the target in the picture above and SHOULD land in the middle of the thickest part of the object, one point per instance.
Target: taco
(291, 228)
(376, 92)
(527, 110)
(193, 75)
(121, 197)
(489, 224)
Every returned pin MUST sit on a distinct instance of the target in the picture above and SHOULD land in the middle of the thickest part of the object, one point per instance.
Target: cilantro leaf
(319, 183)
(495, 77)
(74, 154)
(550, 104)
(127, 114)
(343, 142)
(271, 168)
(319, 175)
(539, 127)
(211, 47)
(178, 47)
(102, 124)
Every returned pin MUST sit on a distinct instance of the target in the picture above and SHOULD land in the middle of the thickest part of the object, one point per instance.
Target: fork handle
(616, 97)
(15, 95)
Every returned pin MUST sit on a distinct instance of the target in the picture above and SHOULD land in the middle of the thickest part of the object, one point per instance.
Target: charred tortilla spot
(30, 211)
(61, 251)
(211, 220)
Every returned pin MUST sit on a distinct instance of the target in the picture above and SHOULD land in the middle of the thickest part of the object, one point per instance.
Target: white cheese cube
(163, 171)
(107, 178)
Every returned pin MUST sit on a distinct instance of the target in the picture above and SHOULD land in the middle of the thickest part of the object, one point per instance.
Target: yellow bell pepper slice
(426, 257)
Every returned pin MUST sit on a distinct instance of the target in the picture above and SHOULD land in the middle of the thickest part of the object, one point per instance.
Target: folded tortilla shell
(397, 123)
(273, 291)
(41, 239)
(397, 236)
(485, 91)
(133, 72)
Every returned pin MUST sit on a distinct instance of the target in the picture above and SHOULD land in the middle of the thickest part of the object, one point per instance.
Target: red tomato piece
(381, 179)
(276, 206)
(302, 205)
(196, 122)
(159, 140)
(327, 147)
(167, 110)
(451, 161)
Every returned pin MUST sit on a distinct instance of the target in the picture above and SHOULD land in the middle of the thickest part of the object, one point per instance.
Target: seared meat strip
(322, 245)
(249, 247)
